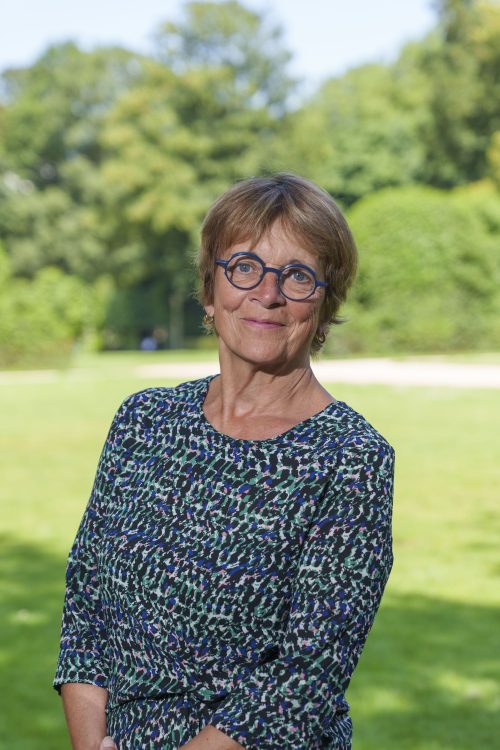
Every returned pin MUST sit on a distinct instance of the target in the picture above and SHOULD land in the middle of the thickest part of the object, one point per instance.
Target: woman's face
(260, 325)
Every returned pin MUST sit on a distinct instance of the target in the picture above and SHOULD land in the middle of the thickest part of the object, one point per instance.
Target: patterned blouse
(229, 582)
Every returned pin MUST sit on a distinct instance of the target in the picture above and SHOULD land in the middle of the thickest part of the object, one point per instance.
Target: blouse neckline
(302, 426)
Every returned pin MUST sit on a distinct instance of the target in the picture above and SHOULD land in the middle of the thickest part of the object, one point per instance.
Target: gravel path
(382, 371)
(363, 371)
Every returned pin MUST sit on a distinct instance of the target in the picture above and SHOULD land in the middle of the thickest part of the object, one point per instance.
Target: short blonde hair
(248, 210)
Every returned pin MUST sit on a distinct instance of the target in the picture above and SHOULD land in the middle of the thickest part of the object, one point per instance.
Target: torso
(199, 550)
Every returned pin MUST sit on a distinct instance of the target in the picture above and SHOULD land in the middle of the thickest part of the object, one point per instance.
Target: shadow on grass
(31, 596)
(428, 679)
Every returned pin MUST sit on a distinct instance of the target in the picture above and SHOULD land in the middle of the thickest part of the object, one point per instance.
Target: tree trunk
(176, 319)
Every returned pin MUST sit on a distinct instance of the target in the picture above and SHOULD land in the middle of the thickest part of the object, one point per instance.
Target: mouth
(262, 324)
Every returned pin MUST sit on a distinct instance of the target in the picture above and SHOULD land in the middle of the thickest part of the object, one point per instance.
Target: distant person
(237, 540)
(149, 344)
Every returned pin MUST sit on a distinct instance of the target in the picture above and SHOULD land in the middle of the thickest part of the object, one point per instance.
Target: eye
(244, 266)
(300, 276)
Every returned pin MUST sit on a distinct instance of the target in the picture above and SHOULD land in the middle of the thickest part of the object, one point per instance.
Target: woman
(237, 540)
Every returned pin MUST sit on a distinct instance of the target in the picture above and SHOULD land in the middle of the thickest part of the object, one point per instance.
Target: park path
(362, 371)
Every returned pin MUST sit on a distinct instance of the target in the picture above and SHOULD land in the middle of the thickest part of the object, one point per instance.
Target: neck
(276, 398)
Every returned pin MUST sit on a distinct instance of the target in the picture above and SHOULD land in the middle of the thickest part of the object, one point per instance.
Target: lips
(262, 323)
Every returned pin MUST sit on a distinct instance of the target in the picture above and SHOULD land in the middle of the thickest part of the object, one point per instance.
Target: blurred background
(120, 123)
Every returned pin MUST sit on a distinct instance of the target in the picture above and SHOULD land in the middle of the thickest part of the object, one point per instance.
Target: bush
(41, 320)
(429, 274)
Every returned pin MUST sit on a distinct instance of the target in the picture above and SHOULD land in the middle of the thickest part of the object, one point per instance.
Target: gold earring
(208, 321)
(321, 334)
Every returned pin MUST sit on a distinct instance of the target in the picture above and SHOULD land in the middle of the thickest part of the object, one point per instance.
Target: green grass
(429, 676)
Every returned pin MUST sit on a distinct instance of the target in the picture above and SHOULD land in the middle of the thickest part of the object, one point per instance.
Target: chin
(272, 357)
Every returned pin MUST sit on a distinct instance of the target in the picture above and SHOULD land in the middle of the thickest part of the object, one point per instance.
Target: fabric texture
(226, 581)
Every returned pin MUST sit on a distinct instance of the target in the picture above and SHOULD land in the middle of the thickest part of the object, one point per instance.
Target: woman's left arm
(291, 701)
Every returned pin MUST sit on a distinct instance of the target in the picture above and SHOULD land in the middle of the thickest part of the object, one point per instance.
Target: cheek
(226, 298)
(308, 316)
(227, 303)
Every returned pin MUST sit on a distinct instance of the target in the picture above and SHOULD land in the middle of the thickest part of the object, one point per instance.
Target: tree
(110, 159)
(53, 110)
(494, 158)
(46, 227)
(227, 35)
(462, 65)
(202, 115)
(429, 117)
(51, 192)
(359, 132)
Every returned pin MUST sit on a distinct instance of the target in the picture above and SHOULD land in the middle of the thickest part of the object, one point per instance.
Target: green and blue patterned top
(227, 581)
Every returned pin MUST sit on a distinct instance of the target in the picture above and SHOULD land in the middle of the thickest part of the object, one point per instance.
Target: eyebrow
(288, 263)
(298, 262)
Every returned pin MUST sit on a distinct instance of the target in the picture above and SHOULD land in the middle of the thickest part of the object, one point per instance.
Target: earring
(321, 334)
(208, 320)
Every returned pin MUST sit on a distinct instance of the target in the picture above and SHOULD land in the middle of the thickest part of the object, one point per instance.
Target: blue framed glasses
(245, 270)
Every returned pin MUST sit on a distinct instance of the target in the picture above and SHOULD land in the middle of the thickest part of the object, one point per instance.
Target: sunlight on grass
(429, 676)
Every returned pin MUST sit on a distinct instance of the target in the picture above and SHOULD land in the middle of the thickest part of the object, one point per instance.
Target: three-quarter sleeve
(82, 654)
(291, 701)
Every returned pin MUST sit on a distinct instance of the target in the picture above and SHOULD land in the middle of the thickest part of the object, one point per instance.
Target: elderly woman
(237, 540)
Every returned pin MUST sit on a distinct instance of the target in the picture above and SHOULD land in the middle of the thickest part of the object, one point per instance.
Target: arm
(82, 669)
(84, 709)
(291, 701)
(211, 738)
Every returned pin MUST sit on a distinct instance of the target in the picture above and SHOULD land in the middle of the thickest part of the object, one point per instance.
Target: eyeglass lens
(295, 282)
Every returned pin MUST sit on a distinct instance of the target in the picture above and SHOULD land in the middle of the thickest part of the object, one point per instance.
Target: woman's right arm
(84, 708)
(83, 670)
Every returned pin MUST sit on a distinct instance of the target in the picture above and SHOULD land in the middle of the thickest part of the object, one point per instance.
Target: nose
(268, 291)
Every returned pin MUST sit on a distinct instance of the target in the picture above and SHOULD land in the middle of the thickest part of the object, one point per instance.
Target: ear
(209, 309)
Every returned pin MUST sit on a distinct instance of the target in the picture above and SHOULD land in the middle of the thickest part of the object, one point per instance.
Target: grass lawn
(429, 676)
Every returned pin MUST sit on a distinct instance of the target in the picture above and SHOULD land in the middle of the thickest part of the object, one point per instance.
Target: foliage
(54, 108)
(109, 159)
(359, 133)
(429, 274)
(46, 227)
(226, 35)
(493, 156)
(201, 116)
(462, 66)
(131, 153)
(41, 319)
(429, 117)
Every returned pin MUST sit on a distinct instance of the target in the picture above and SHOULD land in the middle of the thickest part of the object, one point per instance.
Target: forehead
(276, 246)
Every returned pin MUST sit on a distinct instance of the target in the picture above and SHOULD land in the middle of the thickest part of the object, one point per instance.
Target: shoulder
(359, 463)
(349, 438)
(343, 428)
(147, 406)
